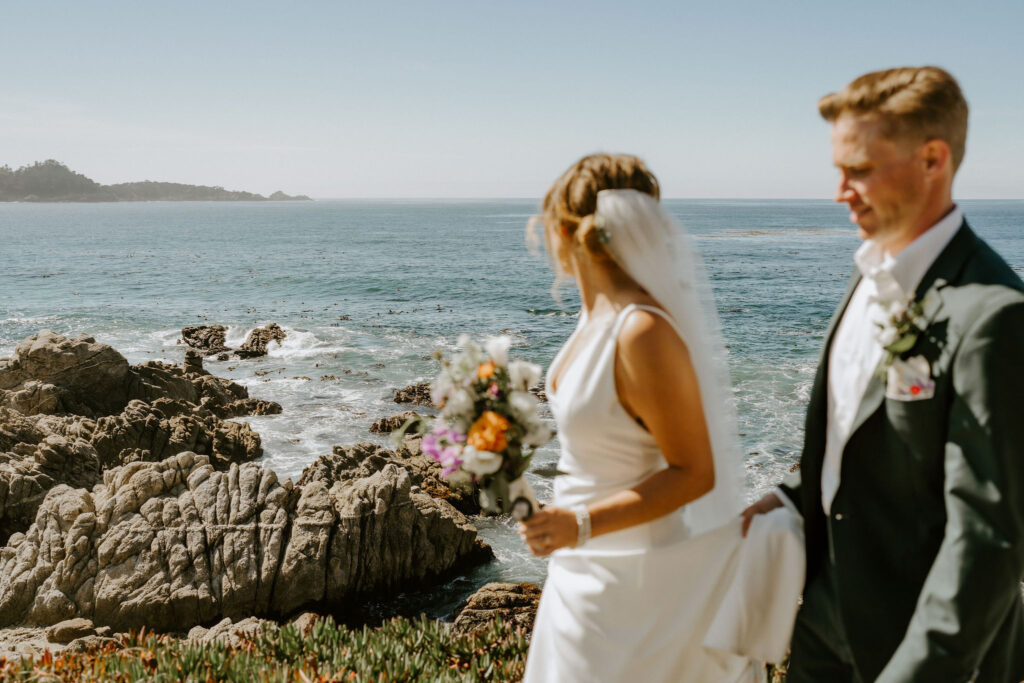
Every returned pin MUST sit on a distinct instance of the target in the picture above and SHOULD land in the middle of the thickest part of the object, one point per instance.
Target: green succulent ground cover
(399, 650)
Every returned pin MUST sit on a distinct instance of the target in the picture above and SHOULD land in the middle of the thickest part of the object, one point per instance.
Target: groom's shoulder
(986, 285)
(986, 267)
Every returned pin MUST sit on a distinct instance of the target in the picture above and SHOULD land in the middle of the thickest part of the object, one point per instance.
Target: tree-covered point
(52, 181)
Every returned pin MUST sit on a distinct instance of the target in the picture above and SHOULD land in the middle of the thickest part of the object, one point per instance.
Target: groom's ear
(935, 155)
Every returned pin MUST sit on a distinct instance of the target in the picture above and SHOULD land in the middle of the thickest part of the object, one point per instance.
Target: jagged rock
(156, 431)
(231, 633)
(32, 461)
(210, 339)
(85, 377)
(34, 398)
(305, 621)
(257, 341)
(220, 396)
(515, 603)
(416, 394)
(175, 543)
(69, 630)
(247, 406)
(71, 406)
(346, 463)
(193, 363)
(92, 643)
(53, 374)
(386, 425)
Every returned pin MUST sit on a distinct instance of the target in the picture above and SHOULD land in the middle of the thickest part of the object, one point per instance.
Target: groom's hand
(768, 503)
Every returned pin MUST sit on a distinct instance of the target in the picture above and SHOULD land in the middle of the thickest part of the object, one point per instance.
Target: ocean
(367, 290)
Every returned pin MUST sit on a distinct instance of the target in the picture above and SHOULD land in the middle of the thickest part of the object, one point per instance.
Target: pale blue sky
(482, 98)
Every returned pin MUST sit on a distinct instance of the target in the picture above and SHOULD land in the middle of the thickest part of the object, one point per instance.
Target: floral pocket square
(909, 380)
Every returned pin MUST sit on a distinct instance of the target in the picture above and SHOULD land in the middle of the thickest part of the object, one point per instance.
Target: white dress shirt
(856, 351)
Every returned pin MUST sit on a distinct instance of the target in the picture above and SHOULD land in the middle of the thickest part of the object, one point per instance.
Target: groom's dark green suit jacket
(926, 533)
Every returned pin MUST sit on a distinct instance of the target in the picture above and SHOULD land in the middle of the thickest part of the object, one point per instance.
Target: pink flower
(449, 458)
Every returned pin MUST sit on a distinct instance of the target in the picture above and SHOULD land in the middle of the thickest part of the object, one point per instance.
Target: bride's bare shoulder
(647, 336)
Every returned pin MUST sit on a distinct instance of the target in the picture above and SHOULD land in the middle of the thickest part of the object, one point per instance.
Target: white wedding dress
(682, 598)
(633, 605)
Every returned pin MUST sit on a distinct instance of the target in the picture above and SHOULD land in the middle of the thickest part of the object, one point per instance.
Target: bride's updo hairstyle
(572, 202)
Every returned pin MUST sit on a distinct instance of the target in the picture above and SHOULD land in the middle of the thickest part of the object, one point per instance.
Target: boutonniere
(903, 325)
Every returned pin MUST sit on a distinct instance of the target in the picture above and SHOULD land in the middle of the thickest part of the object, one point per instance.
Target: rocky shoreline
(129, 499)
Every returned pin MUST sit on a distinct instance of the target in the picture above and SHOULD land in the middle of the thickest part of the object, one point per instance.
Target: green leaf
(903, 344)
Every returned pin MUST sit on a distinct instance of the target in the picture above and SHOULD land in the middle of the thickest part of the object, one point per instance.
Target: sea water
(367, 291)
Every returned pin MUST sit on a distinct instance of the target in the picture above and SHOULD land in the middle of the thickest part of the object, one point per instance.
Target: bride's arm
(656, 384)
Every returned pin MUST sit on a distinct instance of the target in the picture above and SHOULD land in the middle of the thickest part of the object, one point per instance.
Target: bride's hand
(768, 502)
(548, 530)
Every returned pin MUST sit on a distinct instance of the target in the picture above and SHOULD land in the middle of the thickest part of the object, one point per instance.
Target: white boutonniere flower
(898, 333)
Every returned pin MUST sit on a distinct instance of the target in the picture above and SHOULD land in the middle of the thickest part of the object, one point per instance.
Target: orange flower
(488, 433)
(485, 370)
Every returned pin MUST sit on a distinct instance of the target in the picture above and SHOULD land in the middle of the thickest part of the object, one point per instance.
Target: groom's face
(879, 178)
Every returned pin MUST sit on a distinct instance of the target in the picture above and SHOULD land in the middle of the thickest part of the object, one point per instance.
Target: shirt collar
(898, 276)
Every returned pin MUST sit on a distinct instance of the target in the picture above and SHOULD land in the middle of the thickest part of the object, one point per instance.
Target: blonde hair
(915, 104)
(572, 201)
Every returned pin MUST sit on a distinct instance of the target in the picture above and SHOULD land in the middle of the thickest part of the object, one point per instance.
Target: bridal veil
(653, 249)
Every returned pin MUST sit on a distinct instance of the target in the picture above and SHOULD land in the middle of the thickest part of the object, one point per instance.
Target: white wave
(30, 319)
(298, 344)
(552, 314)
(235, 335)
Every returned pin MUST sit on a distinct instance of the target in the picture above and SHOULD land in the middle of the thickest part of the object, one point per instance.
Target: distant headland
(52, 181)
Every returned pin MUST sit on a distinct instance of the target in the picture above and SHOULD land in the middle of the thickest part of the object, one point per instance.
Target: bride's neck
(603, 286)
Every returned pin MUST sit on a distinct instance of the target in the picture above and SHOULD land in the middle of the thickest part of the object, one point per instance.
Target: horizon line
(538, 199)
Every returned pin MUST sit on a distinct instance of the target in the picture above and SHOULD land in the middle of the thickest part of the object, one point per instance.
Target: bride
(643, 530)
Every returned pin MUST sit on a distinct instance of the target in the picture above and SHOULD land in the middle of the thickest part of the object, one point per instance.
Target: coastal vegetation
(52, 181)
(398, 650)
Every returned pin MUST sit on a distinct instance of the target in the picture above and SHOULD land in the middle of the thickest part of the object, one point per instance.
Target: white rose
(460, 404)
(523, 375)
(480, 463)
(887, 336)
(523, 404)
(441, 388)
(897, 307)
(464, 365)
(497, 349)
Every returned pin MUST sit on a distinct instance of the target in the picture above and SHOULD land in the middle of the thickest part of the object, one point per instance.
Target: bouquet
(488, 427)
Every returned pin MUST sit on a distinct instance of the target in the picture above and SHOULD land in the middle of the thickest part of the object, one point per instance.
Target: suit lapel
(945, 268)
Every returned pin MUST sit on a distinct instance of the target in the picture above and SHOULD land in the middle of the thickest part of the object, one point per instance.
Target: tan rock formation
(175, 543)
(346, 463)
(514, 603)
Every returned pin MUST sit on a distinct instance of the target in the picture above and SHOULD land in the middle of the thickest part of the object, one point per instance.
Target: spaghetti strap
(624, 314)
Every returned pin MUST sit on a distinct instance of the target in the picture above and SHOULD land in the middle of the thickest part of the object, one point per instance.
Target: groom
(911, 483)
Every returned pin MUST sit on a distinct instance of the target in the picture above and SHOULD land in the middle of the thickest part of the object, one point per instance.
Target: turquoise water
(373, 288)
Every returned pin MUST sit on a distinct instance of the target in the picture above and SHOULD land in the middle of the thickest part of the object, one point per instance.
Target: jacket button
(839, 516)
